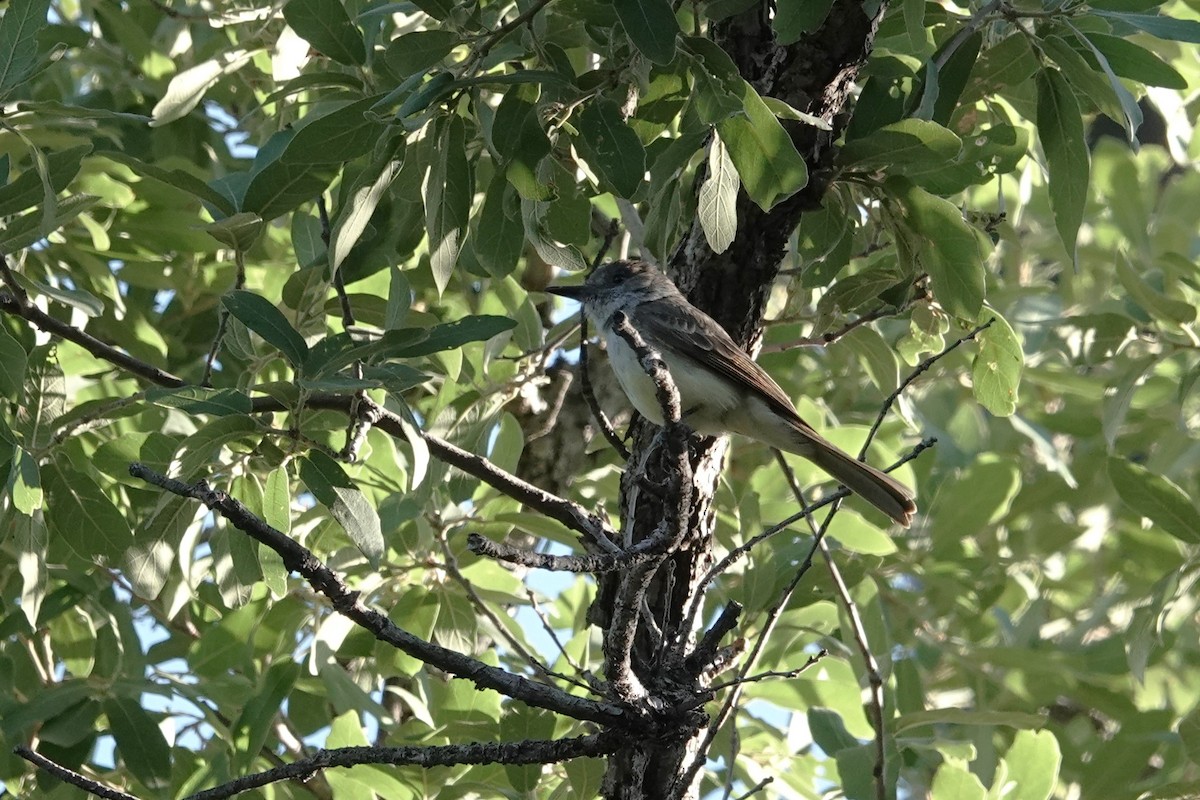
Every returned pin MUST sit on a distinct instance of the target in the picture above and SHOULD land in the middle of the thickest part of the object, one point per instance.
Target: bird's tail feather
(876, 487)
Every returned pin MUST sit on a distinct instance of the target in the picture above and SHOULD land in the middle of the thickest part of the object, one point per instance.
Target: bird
(721, 389)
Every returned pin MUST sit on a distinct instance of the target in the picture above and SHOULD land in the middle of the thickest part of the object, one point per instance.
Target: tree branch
(346, 602)
(70, 776)
(529, 751)
(622, 630)
(11, 304)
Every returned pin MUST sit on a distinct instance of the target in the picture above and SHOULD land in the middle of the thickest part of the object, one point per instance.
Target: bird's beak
(570, 292)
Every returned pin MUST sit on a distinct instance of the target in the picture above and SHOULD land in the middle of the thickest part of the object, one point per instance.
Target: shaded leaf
(81, 515)
(1157, 498)
(1060, 129)
(611, 147)
(651, 26)
(326, 26)
(139, 742)
(996, 369)
(261, 316)
(329, 483)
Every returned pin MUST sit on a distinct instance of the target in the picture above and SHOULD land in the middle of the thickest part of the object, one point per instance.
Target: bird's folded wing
(700, 338)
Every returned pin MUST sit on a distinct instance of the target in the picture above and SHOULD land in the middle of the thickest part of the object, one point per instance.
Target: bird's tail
(877, 488)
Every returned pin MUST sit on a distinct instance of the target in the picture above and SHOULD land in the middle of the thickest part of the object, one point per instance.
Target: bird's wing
(699, 337)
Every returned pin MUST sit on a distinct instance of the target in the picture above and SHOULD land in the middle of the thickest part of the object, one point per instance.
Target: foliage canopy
(222, 221)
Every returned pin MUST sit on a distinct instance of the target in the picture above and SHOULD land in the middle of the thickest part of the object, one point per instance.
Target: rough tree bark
(814, 75)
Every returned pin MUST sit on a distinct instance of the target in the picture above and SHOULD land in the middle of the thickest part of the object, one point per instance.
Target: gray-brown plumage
(721, 389)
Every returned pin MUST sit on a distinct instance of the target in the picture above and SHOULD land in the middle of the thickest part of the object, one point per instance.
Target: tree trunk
(814, 75)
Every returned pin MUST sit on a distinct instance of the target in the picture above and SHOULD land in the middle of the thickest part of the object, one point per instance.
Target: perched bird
(721, 390)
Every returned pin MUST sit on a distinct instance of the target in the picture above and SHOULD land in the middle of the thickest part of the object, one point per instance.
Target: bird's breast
(705, 397)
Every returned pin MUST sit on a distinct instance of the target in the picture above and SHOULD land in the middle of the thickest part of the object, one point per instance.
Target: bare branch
(70, 776)
(11, 304)
(874, 677)
(593, 563)
(706, 651)
(589, 393)
(529, 751)
(634, 582)
(346, 602)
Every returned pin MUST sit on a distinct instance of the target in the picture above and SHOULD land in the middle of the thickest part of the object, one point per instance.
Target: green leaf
(337, 136)
(1109, 95)
(416, 342)
(1155, 303)
(235, 565)
(25, 483)
(329, 483)
(327, 27)
(1131, 60)
(499, 235)
(1162, 27)
(1033, 761)
(430, 92)
(260, 316)
(794, 18)
(909, 143)
(12, 365)
(949, 248)
(369, 189)
(30, 543)
(829, 732)
(43, 398)
(955, 782)
(31, 186)
(965, 716)
(651, 26)
(519, 724)
(611, 147)
(27, 230)
(1157, 498)
(766, 159)
(19, 29)
(1060, 129)
(416, 52)
(240, 231)
(187, 88)
(259, 712)
(448, 192)
(276, 188)
(139, 742)
(717, 207)
(996, 370)
(81, 515)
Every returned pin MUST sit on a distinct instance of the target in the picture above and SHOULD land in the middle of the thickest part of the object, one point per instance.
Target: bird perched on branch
(721, 390)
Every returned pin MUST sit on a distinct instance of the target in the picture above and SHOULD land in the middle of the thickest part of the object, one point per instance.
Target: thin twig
(348, 603)
(594, 682)
(451, 567)
(829, 337)
(920, 368)
(813, 660)
(859, 631)
(758, 787)
(589, 394)
(504, 30)
(223, 321)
